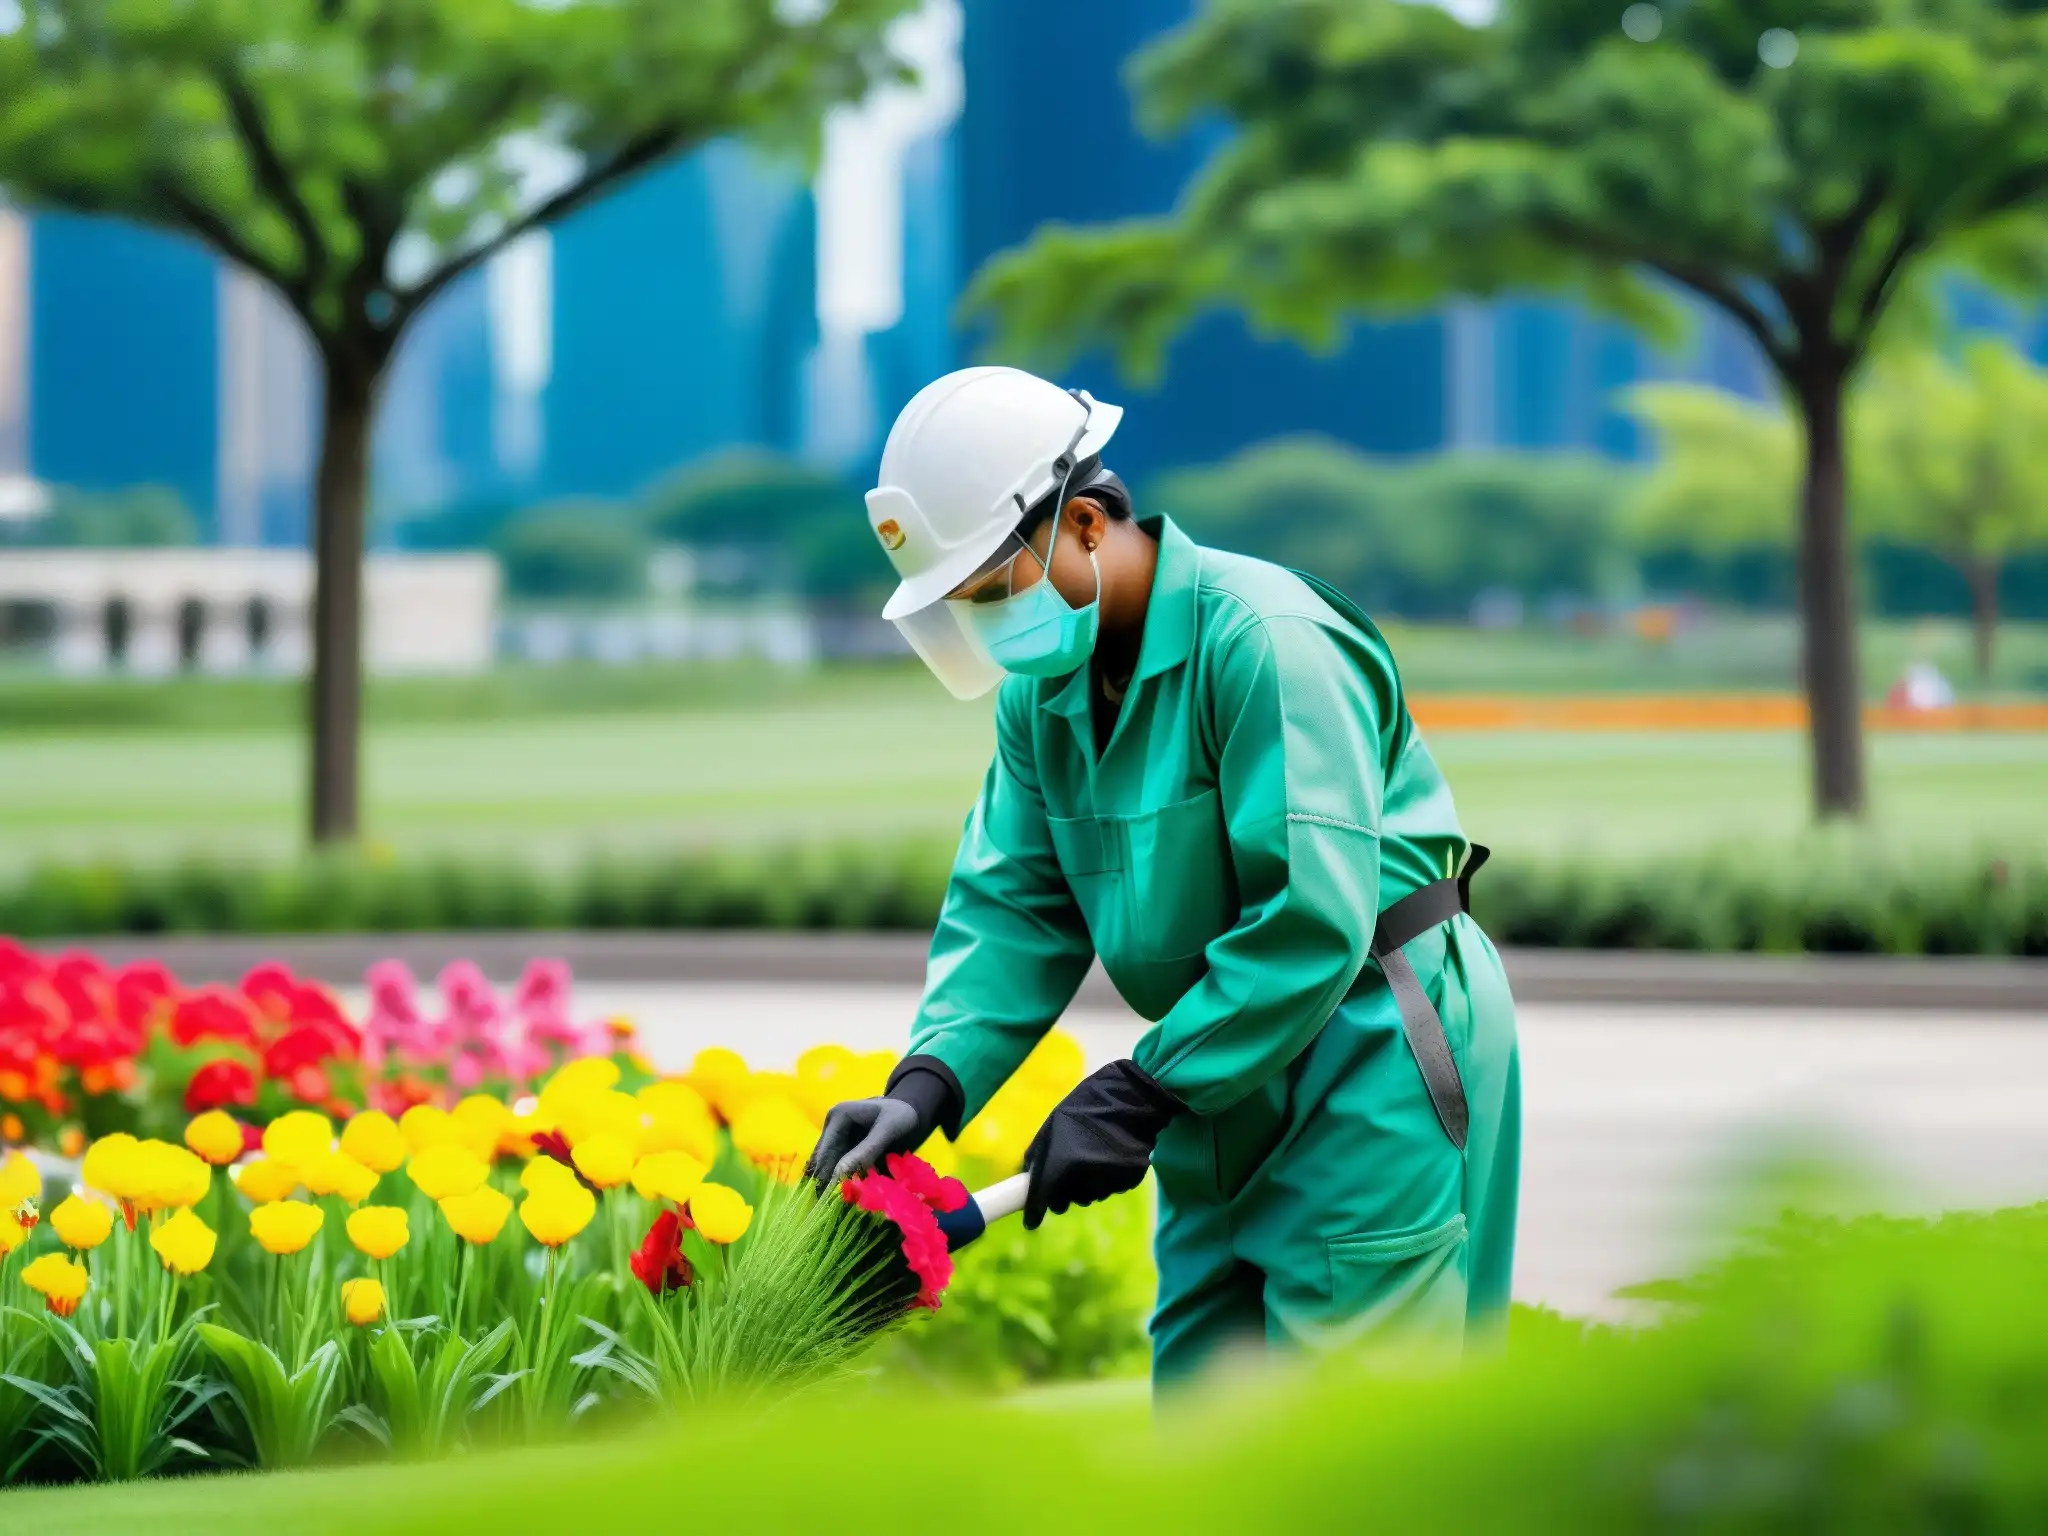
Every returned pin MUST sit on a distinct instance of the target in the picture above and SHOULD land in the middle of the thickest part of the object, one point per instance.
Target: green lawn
(547, 765)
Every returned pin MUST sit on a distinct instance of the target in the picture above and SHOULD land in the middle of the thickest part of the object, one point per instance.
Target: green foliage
(800, 1303)
(776, 522)
(119, 1407)
(360, 159)
(282, 1415)
(1420, 538)
(1727, 471)
(582, 550)
(143, 517)
(1388, 154)
(1823, 897)
(1066, 1303)
(1836, 1376)
(1373, 155)
(429, 1386)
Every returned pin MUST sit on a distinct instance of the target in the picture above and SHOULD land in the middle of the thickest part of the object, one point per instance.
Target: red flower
(252, 1138)
(924, 1245)
(658, 1263)
(303, 1045)
(553, 1144)
(219, 1084)
(309, 1085)
(923, 1181)
(213, 1013)
(84, 984)
(18, 964)
(270, 987)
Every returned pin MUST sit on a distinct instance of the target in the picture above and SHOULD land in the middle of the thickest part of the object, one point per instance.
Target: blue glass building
(121, 376)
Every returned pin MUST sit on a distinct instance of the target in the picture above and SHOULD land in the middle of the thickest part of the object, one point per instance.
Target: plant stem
(464, 1262)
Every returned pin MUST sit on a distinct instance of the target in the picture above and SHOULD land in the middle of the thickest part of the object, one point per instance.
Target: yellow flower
(285, 1226)
(557, 1212)
(353, 1182)
(374, 1140)
(184, 1243)
(378, 1230)
(610, 1113)
(322, 1173)
(169, 1177)
(12, 1236)
(297, 1137)
(720, 1213)
(715, 1072)
(81, 1224)
(362, 1301)
(1056, 1065)
(528, 1121)
(822, 1061)
(61, 1282)
(776, 1135)
(678, 1120)
(668, 1176)
(265, 1181)
(112, 1166)
(479, 1216)
(216, 1137)
(483, 1121)
(545, 1173)
(580, 1079)
(444, 1170)
(605, 1160)
(20, 1180)
(425, 1126)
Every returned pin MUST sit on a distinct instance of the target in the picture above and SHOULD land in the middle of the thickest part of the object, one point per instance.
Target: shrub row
(1789, 901)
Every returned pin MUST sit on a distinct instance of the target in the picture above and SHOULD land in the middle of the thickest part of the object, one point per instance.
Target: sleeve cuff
(928, 1086)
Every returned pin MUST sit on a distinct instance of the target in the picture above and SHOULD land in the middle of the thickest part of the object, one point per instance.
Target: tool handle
(1005, 1198)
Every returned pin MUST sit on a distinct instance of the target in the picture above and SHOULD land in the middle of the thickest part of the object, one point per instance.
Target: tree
(574, 551)
(1727, 470)
(1386, 154)
(1960, 454)
(359, 156)
(1424, 538)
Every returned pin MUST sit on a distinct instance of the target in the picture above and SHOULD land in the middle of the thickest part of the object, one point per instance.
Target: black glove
(1098, 1142)
(922, 1096)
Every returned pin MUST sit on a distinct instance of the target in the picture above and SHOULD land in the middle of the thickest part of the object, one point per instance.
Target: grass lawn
(547, 765)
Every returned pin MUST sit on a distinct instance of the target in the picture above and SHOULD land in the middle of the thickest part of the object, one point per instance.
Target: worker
(1206, 776)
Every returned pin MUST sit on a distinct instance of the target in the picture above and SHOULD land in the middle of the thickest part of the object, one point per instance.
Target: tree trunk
(1827, 606)
(1983, 577)
(339, 495)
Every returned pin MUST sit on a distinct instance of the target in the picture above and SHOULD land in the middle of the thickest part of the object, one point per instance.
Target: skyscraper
(121, 359)
(1047, 135)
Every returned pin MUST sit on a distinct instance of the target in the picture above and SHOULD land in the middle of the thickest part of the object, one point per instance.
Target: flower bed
(325, 1262)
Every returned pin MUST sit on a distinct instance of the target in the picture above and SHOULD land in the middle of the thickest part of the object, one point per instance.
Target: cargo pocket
(1183, 888)
(1400, 1290)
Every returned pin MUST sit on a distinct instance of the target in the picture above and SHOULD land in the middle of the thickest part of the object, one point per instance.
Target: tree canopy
(359, 156)
(1381, 155)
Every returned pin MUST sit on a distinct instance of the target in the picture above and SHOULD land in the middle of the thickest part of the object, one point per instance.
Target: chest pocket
(1155, 887)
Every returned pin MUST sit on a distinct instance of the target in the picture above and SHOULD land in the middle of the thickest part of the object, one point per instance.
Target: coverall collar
(1169, 618)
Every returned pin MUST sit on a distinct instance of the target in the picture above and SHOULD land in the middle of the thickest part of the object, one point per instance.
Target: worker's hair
(1091, 479)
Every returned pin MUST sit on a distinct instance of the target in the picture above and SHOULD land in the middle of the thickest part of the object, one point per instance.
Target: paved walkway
(1638, 1119)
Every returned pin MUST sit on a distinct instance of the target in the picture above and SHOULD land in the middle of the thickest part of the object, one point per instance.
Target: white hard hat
(968, 457)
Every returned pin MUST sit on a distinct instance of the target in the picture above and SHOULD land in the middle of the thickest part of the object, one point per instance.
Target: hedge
(1785, 900)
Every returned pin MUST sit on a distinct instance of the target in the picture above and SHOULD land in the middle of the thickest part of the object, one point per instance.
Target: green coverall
(1263, 797)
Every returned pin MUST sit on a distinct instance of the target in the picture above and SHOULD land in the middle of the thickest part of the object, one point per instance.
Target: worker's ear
(1089, 520)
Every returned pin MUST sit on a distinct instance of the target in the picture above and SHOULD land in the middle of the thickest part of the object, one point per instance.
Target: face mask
(1035, 633)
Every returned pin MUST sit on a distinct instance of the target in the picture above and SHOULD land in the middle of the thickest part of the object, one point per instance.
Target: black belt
(1409, 918)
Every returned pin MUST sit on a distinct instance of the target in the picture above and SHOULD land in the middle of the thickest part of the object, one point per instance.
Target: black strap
(1407, 919)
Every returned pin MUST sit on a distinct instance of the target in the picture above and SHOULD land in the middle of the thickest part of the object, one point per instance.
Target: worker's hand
(1098, 1142)
(923, 1095)
(858, 1134)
